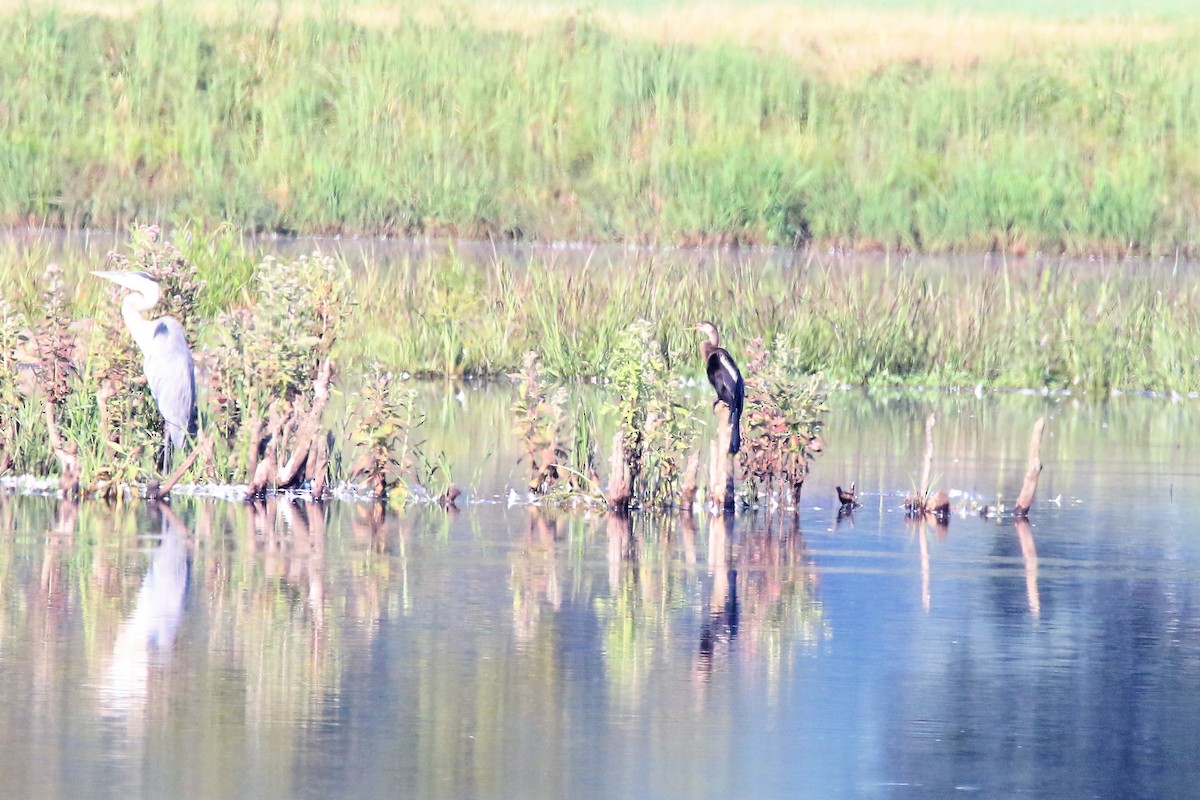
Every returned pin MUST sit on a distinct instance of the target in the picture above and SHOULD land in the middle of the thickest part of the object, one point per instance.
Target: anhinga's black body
(726, 378)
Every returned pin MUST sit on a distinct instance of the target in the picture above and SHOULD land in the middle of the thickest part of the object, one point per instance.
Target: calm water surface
(214, 649)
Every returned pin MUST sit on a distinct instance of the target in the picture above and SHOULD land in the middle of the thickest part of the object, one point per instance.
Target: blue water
(219, 650)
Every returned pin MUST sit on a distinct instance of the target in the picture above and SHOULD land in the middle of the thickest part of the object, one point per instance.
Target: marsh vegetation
(1048, 134)
(303, 358)
(897, 130)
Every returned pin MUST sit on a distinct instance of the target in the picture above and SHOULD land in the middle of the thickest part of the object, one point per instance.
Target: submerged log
(449, 499)
(1030, 558)
(292, 473)
(939, 506)
(318, 457)
(622, 545)
(1032, 472)
(264, 468)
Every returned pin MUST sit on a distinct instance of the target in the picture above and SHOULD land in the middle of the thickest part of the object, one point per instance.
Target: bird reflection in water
(763, 598)
(720, 626)
(146, 637)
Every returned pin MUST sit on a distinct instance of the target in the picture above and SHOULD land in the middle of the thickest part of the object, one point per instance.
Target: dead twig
(156, 491)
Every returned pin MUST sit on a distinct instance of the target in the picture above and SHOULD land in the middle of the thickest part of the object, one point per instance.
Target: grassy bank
(867, 321)
(272, 351)
(789, 124)
(1003, 323)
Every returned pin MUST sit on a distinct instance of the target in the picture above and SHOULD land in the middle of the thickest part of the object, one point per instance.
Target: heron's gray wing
(172, 377)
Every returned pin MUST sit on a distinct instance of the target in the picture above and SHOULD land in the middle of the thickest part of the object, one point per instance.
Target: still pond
(215, 649)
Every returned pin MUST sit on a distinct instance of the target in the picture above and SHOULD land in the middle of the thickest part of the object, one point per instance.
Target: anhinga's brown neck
(713, 343)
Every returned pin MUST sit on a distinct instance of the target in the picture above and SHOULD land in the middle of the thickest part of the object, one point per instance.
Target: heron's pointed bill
(134, 281)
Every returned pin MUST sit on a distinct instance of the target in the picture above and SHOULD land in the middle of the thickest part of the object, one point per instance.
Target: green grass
(1005, 323)
(1076, 325)
(1090, 326)
(576, 128)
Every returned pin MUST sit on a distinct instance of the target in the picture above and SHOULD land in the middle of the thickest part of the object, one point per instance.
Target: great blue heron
(166, 358)
(726, 378)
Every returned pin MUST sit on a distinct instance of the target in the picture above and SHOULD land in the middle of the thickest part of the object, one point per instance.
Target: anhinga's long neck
(709, 347)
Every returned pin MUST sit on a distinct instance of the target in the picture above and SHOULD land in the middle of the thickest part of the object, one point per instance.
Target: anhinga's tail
(735, 439)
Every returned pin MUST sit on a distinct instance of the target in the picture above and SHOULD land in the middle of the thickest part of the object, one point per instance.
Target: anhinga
(726, 378)
(166, 358)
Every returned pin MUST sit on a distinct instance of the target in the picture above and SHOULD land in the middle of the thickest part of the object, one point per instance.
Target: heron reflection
(148, 634)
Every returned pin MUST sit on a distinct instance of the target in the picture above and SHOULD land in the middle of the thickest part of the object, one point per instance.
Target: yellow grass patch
(839, 43)
(846, 44)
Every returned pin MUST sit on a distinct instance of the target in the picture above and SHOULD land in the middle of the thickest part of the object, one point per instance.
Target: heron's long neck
(141, 328)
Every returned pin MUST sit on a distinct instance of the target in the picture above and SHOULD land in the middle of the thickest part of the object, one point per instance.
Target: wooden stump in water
(691, 472)
(923, 494)
(721, 466)
(936, 507)
(620, 482)
(1032, 472)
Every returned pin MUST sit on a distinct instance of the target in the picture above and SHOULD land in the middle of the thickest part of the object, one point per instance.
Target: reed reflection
(753, 600)
(534, 574)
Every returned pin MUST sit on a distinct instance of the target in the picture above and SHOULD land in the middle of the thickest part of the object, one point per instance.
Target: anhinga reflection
(720, 626)
(726, 378)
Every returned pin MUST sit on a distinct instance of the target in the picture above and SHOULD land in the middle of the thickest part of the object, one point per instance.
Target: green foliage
(573, 131)
(176, 276)
(50, 345)
(657, 427)
(539, 416)
(781, 424)
(1020, 323)
(382, 434)
(269, 352)
(11, 323)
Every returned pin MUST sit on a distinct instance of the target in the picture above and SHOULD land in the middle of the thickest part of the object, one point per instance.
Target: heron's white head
(141, 284)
